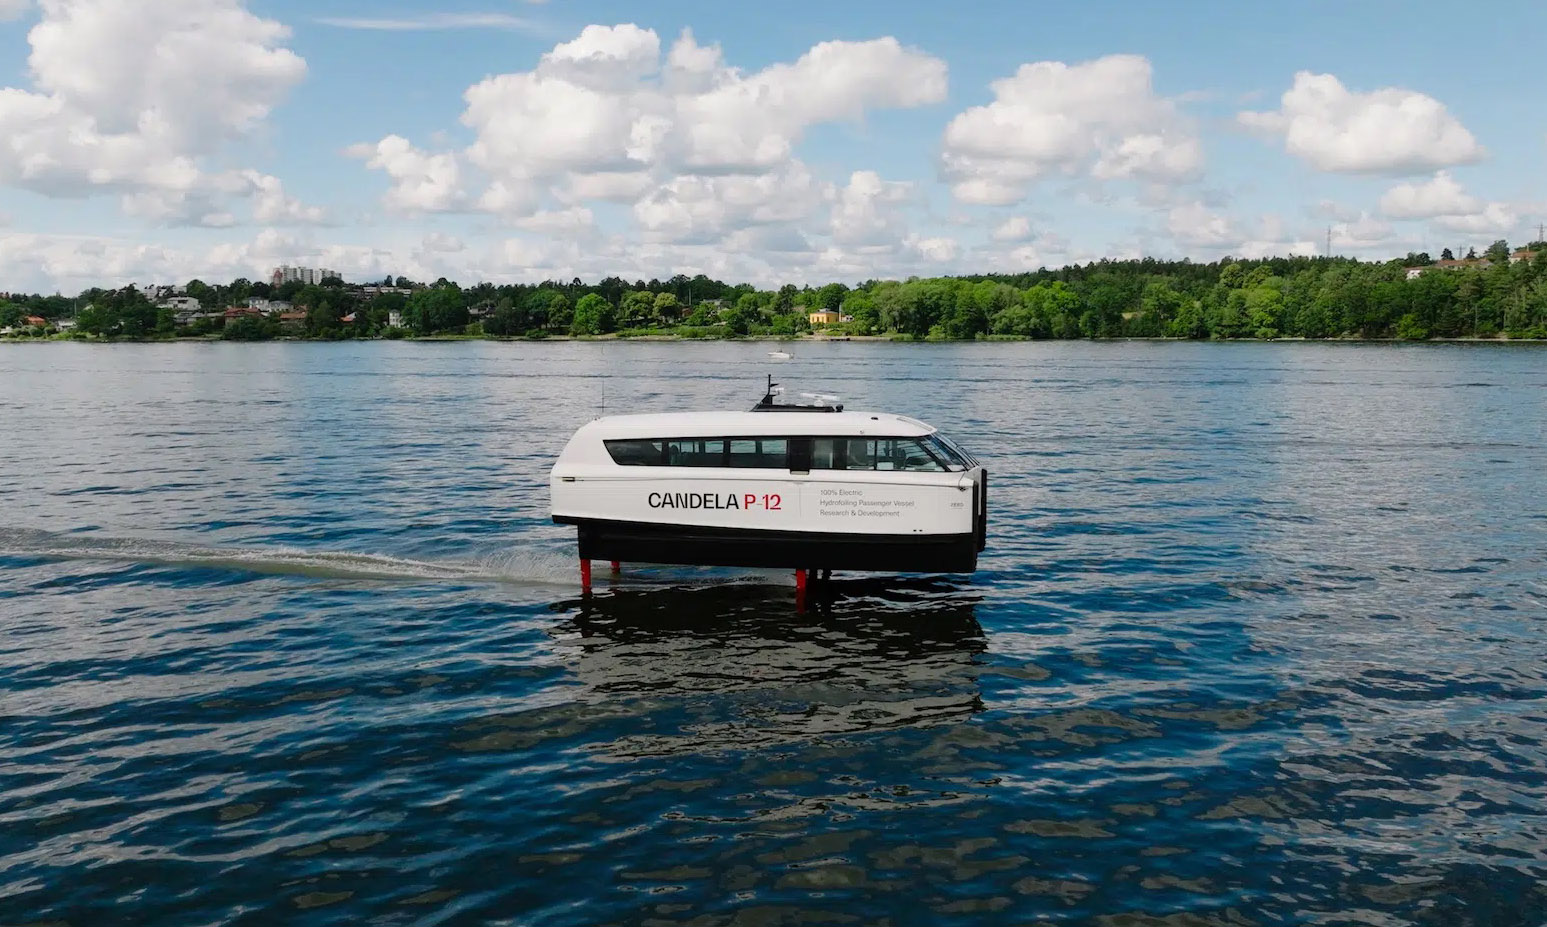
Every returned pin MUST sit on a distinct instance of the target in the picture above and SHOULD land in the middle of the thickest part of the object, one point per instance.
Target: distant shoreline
(769, 339)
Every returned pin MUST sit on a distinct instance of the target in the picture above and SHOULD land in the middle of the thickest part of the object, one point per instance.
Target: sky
(155, 141)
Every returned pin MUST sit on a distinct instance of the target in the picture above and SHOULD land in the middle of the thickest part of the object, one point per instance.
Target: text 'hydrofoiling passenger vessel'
(802, 486)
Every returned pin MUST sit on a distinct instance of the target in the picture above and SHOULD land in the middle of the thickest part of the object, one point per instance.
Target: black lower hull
(637, 542)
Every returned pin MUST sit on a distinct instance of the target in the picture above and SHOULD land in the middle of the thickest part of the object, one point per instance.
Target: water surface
(285, 635)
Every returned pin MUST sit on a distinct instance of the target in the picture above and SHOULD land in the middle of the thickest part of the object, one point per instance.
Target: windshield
(948, 455)
(951, 452)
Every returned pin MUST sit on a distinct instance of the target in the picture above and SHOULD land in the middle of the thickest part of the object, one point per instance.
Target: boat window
(827, 454)
(904, 454)
(696, 452)
(873, 454)
(770, 453)
(928, 454)
(970, 460)
(946, 453)
(646, 453)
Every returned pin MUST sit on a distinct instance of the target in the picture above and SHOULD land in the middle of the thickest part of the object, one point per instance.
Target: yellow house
(824, 317)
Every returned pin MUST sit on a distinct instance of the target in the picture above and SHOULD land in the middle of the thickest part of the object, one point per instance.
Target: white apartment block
(285, 273)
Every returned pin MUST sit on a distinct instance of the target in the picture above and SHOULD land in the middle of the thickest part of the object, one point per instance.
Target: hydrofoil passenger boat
(801, 486)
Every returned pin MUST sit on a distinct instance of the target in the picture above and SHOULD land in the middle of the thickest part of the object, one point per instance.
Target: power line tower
(1329, 241)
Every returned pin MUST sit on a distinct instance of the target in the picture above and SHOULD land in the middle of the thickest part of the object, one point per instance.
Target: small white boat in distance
(806, 487)
(780, 355)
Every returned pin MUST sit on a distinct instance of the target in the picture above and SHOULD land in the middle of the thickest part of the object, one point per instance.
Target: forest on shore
(1498, 293)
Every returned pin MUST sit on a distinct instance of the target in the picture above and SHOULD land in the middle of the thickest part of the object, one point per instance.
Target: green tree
(593, 316)
(862, 307)
(437, 309)
(249, 328)
(506, 319)
(323, 317)
(637, 309)
(1409, 328)
(667, 309)
(740, 318)
(829, 297)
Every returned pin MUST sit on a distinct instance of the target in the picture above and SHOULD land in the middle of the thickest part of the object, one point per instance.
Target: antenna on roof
(824, 403)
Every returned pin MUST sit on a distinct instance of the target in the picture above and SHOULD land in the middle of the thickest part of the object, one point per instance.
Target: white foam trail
(523, 565)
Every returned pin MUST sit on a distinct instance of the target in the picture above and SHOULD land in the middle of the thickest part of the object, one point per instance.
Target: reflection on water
(286, 636)
(872, 655)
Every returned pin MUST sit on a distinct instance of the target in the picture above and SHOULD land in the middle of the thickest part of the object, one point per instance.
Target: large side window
(873, 454)
(827, 454)
(637, 453)
(904, 454)
(696, 452)
(758, 453)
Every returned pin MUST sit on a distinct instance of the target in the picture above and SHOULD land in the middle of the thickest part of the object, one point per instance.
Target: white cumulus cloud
(1493, 219)
(271, 205)
(865, 211)
(1015, 228)
(133, 96)
(1386, 131)
(1441, 195)
(1443, 200)
(421, 181)
(1196, 224)
(697, 146)
(1102, 117)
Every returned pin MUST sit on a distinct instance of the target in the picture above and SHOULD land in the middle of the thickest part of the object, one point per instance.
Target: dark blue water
(1260, 638)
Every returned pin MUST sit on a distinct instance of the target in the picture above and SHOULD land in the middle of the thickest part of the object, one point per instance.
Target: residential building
(285, 273)
(292, 318)
(382, 290)
(180, 304)
(268, 305)
(1464, 263)
(65, 325)
(239, 312)
(824, 317)
(1521, 255)
(35, 321)
(395, 318)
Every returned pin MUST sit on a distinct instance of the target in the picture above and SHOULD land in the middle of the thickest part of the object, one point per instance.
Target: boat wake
(525, 565)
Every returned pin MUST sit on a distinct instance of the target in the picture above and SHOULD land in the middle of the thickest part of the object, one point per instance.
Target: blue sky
(156, 140)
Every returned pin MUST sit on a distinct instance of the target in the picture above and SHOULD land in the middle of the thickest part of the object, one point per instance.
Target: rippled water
(285, 635)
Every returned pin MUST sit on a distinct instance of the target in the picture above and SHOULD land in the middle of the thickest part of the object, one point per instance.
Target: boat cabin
(783, 485)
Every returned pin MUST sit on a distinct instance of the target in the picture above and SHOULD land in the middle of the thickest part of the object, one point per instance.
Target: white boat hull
(834, 521)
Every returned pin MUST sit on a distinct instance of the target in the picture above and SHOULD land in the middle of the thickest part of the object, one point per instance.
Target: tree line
(1296, 297)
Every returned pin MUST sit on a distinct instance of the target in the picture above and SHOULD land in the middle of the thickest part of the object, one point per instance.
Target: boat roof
(753, 424)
